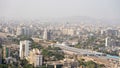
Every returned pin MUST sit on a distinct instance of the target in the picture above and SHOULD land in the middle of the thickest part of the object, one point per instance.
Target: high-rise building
(26, 31)
(24, 49)
(19, 31)
(110, 42)
(0, 56)
(106, 41)
(35, 58)
(23, 31)
(4, 52)
(112, 32)
(46, 35)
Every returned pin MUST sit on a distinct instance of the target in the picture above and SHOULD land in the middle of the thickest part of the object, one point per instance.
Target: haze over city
(59, 34)
(36, 9)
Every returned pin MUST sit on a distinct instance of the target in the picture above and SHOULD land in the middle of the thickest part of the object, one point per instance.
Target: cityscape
(58, 42)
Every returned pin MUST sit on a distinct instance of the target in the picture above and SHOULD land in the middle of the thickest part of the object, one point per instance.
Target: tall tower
(106, 42)
(4, 52)
(1, 55)
(46, 35)
(24, 49)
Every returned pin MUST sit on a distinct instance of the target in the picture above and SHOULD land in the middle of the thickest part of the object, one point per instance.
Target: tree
(91, 64)
(3, 66)
(28, 66)
(52, 52)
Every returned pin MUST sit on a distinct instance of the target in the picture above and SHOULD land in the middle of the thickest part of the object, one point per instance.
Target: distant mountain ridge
(75, 19)
(81, 19)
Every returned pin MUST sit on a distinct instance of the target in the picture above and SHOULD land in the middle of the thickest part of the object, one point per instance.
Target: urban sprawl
(32, 44)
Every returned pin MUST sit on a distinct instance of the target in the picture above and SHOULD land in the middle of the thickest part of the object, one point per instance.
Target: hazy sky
(60, 8)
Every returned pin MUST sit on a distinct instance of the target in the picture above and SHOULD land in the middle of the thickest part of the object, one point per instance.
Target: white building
(19, 31)
(46, 35)
(68, 31)
(24, 49)
(106, 41)
(110, 42)
(39, 60)
(7, 30)
(35, 58)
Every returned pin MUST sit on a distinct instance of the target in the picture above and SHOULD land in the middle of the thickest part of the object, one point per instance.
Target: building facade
(24, 49)
(35, 58)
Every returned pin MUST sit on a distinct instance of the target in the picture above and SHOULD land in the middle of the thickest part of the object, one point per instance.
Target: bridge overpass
(84, 52)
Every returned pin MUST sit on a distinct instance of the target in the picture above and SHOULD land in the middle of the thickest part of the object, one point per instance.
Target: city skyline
(59, 34)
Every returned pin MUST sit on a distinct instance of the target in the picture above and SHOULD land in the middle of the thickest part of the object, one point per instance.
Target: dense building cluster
(43, 45)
